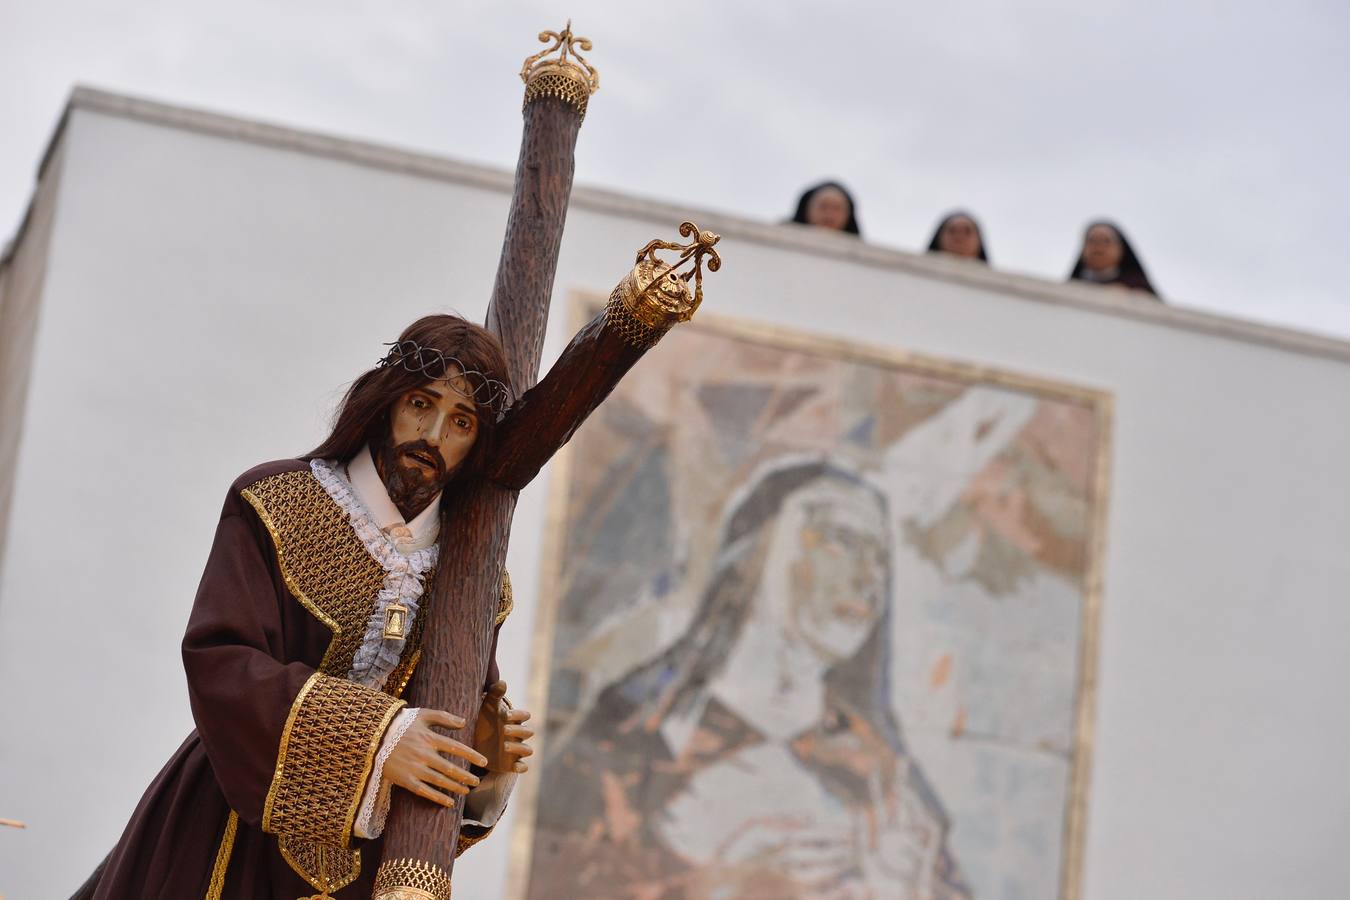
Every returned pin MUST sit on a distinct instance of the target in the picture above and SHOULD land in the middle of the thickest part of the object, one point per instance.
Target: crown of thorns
(435, 365)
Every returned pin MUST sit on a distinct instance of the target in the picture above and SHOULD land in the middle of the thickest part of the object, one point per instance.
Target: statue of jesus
(306, 629)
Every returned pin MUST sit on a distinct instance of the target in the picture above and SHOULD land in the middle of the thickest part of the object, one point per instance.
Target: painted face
(960, 238)
(1102, 249)
(828, 208)
(432, 428)
(839, 574)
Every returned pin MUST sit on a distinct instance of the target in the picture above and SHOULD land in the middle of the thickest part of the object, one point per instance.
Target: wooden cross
(421, 839)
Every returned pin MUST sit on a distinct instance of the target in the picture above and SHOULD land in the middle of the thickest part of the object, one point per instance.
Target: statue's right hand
(421, 761)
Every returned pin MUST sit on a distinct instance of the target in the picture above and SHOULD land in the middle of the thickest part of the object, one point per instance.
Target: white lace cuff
(486, 803)
(374, 807)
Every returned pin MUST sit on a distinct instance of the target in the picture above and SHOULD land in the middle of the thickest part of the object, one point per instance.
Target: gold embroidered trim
(223, 852)
(281, 749)
(405, 674)
(466, 841)
(326, 869)
(327, 750)
(314, 794)
(322, 560)
(411, 879)
(508, 599)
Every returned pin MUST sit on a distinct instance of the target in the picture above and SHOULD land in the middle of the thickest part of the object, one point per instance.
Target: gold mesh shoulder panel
(324, 563)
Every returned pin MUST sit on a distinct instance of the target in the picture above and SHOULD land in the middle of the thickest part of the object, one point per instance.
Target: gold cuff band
(411, 879)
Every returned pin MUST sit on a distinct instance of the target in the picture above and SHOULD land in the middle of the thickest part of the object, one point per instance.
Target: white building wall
(207, 298)
(23, 268)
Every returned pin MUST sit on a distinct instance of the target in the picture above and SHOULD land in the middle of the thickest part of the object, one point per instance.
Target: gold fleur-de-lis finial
(565, 42)
(702, 245)
(655, 295)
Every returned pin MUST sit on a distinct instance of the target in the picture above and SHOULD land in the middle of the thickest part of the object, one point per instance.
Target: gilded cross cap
(570, 80)
(655, 295)
(411, 879)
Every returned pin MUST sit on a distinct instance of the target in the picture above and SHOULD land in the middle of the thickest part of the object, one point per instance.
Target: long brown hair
(363, 417)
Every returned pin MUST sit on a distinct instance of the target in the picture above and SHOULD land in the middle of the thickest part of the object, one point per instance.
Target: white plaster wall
(206, 300)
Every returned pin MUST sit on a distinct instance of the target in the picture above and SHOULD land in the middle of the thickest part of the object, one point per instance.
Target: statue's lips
(421, 460)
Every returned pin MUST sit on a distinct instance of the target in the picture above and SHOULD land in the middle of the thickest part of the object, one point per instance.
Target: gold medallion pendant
(395, 621)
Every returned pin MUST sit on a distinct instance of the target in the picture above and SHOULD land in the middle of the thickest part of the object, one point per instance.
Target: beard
(411, 487)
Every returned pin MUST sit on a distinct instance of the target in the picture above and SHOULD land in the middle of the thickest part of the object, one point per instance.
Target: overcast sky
(1217, 132)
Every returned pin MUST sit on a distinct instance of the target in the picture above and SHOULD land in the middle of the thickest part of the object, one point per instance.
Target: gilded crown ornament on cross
(655, 296)
(570, 80)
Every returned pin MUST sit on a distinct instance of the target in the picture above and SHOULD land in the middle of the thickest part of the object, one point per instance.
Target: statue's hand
(421, 762)
(500, 733)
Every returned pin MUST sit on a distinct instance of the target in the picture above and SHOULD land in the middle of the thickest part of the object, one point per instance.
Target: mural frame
(583, 305)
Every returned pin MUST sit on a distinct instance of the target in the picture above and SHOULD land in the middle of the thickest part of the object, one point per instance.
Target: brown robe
(268, 783)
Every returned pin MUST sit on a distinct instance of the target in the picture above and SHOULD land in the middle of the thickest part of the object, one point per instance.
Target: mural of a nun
(759, 755)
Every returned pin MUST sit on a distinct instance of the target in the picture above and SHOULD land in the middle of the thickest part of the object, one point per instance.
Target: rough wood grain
(548, 415)
(518, 311)
(458, 641)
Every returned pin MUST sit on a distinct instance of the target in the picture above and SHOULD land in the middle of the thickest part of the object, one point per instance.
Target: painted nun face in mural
(833, 534)
(759, 755)
(814, 590)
